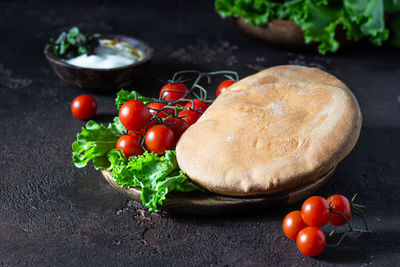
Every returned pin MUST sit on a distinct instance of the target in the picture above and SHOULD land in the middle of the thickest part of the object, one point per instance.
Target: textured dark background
(52, 213)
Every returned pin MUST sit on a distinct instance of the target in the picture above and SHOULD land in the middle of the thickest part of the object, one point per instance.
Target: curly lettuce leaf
(256, 12)
(155, 175)
(319, 26)
(124, 95)
(95, 142)
(368, 16)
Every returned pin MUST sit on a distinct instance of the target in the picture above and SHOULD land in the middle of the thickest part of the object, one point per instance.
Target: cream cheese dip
(109, 54)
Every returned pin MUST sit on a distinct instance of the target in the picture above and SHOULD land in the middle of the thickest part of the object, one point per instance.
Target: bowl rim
(147, 56)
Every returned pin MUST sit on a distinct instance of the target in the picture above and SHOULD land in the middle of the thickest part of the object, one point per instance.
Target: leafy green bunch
(156, 175)
(377, 20)
(72, 44)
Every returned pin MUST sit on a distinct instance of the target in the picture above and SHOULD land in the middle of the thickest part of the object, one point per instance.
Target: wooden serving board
(207, 203)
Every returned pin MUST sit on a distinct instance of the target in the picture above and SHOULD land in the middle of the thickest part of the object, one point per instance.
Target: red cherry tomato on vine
(129, 144)
(340, 204)
(292, 224)
(199, 105)
(223, 86)
(160, 138)
(154, 107)
(84, 107)
(190, 116)
(172, 92)
(177, 125)
(134, 115)
(311, 241)
(315, 211)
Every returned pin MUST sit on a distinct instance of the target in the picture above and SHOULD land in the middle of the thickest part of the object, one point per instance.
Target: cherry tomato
(129, 145)
(222, 86)
(177, 125)
(340, 204)
(153, 107)
(160, 138)
(174, 91)
(311, 241)
(190, 116)
(84, 107)
(134, 115)
(315, 211)
(199, 105)
(293, 224)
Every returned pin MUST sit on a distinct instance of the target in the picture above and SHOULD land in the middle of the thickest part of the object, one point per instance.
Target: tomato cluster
(158, 126)
(304, 226)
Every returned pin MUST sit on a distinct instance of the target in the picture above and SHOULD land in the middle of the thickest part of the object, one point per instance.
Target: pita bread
(275, 130)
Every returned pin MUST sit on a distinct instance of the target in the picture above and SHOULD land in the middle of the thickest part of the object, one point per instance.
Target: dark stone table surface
(52, 213)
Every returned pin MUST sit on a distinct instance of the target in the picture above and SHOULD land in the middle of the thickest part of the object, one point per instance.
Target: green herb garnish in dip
(72, 44)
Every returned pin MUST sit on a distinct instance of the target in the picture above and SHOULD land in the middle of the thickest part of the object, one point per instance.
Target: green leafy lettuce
(156, 175)
(124, 95)
(321, 19)
(94, 143)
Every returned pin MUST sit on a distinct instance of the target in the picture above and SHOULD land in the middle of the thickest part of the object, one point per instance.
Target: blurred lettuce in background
(377, 20)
